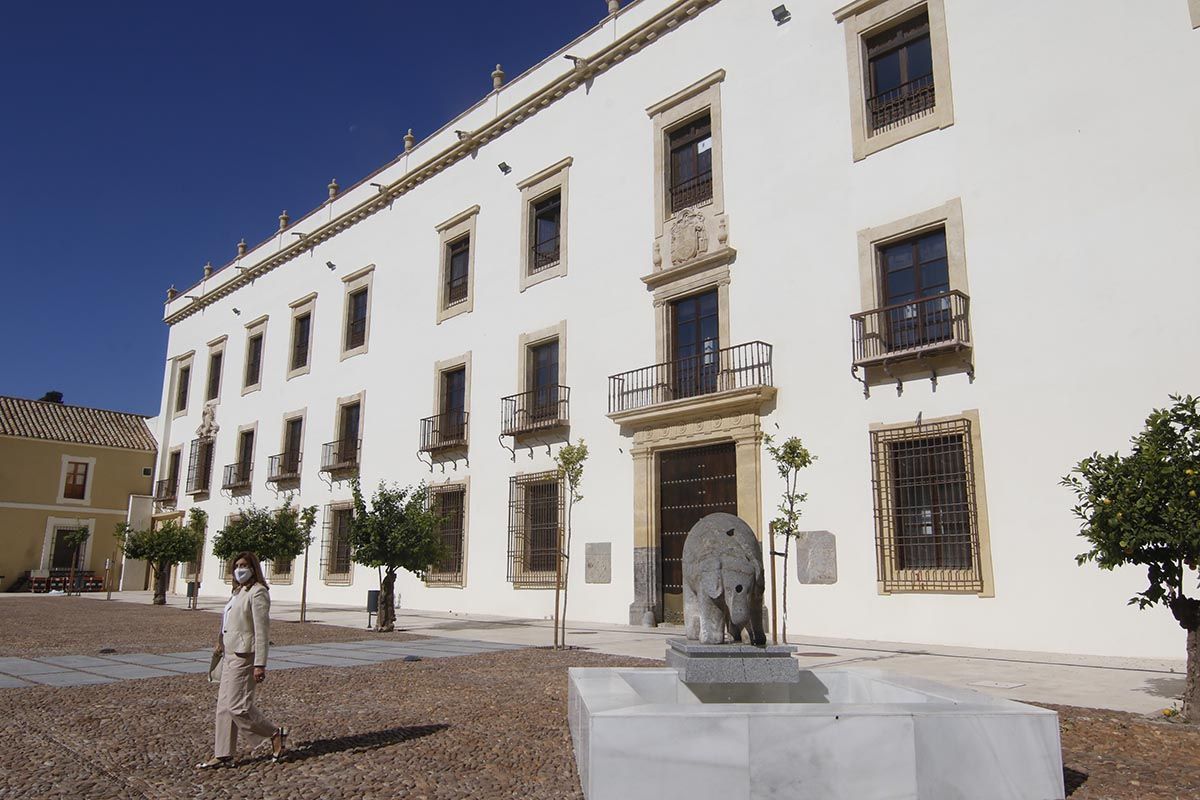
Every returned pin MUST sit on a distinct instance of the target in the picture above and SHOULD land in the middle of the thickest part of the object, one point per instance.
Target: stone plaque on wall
(597, 562)
(816, 557)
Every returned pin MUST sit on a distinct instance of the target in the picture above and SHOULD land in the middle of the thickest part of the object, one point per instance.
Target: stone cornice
(660, 277)
(599, 62)
(719, 404)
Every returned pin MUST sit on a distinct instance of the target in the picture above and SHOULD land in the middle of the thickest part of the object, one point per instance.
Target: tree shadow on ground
(1170, 688)
(362, 742)
(1073, 780)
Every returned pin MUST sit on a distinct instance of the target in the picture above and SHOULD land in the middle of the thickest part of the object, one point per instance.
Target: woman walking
(245, 627)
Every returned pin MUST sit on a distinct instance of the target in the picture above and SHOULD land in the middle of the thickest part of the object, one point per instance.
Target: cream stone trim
(863, 20)
(983, 528)
(446, 365)
(533, 189)
(302, 415)
(457, 219)
(649, 32)
(307, 305)
(349, 400)
(452, 230)
(254, 328)
(450, 484)
(743, 429)
(214, 347)
(45, 507)
(360, 279)
(53, 524)
(714, 277)
(1194, 8)
(67, 459)
(185, 361)
(525, 341)
(948, 216)
(668, 115)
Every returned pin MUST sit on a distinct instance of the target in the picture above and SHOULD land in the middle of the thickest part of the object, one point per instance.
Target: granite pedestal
(732, 663)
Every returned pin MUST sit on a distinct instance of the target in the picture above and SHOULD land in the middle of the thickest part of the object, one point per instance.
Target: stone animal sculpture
(722, 581)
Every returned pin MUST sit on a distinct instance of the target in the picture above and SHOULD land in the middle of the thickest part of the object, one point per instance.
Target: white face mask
(243, 574)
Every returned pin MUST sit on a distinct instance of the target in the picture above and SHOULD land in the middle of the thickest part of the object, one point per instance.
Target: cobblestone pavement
(68, 626)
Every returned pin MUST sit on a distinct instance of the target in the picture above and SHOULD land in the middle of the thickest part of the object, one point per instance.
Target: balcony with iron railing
(543, 255)
(911, 330)
(692, 191)
(237, 475)
(341, 455)
(166, 491)
(544, 408)
(894, 107)
(727, 375)
(444, 432)
(283, 468)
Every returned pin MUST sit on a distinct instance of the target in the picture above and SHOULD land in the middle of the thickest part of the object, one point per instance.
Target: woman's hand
(219, 649)
(260, 674)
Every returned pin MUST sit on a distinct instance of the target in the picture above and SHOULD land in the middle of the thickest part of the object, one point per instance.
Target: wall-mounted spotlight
(462, 135)
(331, 265)
(504, 167)
(781, 14)
(237, 311)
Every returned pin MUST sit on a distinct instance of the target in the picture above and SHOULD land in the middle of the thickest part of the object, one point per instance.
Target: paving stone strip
(16, 673)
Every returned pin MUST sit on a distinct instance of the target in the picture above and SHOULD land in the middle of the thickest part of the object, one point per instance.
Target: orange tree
(1142, 509)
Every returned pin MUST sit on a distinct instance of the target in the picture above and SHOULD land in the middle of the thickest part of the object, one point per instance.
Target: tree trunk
(787, 543)
(386, 621)
(1187, 613)
(162, 576)
(566, 572)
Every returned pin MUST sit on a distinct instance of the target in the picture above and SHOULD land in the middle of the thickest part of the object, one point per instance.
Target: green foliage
(277, 536)
(170, 543)
(76, 538)
(570, 460)
(789, 457)
(1142, 509)
(398, 531)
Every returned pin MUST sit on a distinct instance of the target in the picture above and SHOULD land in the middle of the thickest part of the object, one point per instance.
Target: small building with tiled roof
(62, 468)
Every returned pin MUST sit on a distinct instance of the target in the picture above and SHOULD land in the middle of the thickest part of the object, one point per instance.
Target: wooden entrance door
(691, 484)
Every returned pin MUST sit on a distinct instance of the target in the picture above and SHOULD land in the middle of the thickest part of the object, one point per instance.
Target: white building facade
(704, 221)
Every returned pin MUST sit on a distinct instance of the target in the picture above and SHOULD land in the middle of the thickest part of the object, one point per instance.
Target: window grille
(450, 504)
(281, 571)
(335, 546)
(927, 530)
(200, 465)
(535, 528)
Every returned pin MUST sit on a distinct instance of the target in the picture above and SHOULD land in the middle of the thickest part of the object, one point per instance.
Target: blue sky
(141, 139)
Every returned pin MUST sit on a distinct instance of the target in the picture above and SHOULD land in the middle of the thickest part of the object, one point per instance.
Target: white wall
(1077, 178)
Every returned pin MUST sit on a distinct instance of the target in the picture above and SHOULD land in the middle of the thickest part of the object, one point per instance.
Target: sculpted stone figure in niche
(723, 581)
(688, 238)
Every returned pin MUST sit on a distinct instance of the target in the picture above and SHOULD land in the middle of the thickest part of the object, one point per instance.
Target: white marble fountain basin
(838, 734)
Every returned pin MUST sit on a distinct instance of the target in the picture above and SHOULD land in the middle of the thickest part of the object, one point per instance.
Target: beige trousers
(235, 706)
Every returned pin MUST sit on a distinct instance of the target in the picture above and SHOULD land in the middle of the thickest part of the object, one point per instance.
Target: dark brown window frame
(183, 387)
(74, 483)
(356, 324)
(545, 253)
(684, 139)
(916, 94)
(457, 290)
(216, 361)
(254, 357)
(531, 563)
(337, 567)
(301, 350)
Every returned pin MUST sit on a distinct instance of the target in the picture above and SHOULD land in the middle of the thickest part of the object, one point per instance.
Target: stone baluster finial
(410, 141)
(208, 270)
(497, 77)
(614, 6)
(283, 220)
(171, 293)
(333, 188)
(242, 247)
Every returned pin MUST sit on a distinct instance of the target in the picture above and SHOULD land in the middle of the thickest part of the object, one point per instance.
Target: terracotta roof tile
(35, 419)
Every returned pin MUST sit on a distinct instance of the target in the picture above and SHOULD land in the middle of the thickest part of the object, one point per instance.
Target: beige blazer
(248, 625)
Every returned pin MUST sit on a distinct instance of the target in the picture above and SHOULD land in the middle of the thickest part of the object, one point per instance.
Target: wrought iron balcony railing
(543, 255)
(341, 455)
(692, 191)
(539, 409)
(444, 431)
(739, 367)
(237, 475)
(283, 467)
(909, 330)
(166, 490)
(895, 106)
